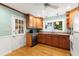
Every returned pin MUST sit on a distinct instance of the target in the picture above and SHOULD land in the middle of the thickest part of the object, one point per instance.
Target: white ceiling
(38, 9)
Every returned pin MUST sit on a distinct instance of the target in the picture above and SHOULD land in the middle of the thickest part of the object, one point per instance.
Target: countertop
(56, 33)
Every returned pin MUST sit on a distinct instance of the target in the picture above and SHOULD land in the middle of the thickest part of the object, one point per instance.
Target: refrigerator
(74, 37)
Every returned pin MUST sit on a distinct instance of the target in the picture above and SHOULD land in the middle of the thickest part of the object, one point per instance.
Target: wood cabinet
(28, 40)
(64, 42)
(41, 38)
(34, 22)
(61, 41)
(68, 21)
(48, 39)
(39, 23)
(55, 40)
(70, 16)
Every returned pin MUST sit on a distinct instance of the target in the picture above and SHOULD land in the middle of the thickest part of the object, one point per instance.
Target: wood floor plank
(39, 50)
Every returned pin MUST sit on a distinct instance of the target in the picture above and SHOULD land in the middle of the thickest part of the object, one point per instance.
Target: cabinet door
(41, 38)
(30, 22)
(48, 39)
(38, 38)
(55, 40)
(67, 42)
(39, 23)
(34, 22)
(64, 42)
(28, 40)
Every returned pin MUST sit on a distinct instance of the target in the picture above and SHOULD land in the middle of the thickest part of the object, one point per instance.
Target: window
(48, 25)
(58, 25)
(19, 26)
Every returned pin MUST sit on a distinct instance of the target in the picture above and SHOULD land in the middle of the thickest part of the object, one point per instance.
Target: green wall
(5, 20)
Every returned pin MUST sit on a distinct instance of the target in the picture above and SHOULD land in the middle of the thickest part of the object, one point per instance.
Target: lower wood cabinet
(48, 39)
(55, 40)
(41, 38)
(28, 40)
(61, 41)
(64, 42)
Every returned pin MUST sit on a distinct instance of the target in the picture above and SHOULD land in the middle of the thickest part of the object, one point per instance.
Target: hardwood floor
(40, 50)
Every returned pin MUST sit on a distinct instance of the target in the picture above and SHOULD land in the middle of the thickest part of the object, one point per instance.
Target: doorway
(18, 31)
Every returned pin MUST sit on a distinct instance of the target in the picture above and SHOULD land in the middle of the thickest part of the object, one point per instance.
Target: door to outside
(18, 32)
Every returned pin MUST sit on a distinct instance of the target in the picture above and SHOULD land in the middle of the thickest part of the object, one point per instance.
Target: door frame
(13, 34)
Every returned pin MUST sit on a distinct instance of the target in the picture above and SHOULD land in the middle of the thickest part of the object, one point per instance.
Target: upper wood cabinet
(34, 22)
(70, 15)
(39, 23)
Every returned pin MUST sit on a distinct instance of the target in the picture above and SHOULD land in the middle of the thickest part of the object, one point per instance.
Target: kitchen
(51, 25)
(56, 32)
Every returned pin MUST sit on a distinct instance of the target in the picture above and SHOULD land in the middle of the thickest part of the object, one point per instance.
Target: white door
(18, 32)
